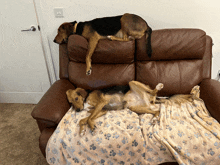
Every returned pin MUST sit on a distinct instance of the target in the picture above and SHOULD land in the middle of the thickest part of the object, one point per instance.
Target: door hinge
(38, 27)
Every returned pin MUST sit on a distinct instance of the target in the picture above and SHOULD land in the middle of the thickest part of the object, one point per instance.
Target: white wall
(23, 71)
(159, 14)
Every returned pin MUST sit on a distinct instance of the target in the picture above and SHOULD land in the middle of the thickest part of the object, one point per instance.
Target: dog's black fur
(103, 26)
(113, 89)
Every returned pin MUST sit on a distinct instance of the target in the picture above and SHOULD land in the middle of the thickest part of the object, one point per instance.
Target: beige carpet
(19, 136)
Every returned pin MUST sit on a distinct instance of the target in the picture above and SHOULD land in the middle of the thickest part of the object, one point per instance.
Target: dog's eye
(76, 98)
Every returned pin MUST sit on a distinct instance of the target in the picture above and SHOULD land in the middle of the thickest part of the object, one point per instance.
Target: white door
(23, 71)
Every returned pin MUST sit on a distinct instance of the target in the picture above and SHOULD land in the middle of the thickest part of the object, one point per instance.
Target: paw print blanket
(184, 133)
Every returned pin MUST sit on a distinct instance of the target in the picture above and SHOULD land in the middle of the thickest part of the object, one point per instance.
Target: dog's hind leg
(113, 38)
(93, 41)
(142, 110)
(139, 88)
(125, 38)
(120, 36)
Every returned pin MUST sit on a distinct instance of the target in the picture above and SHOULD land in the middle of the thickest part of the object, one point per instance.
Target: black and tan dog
(140, 99)
(121, 28)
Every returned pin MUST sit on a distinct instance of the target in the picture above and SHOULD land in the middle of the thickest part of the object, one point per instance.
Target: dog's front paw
(157, 114)
(89, 72)
(109, 37)
(82, 132)
(131, 38)
(93, 131)
(159, 86)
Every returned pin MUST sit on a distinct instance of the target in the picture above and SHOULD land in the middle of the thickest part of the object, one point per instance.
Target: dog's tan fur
(140, 99)
(132, 27)
(181, 98)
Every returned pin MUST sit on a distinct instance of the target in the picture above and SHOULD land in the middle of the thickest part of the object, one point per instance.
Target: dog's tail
(148, 41)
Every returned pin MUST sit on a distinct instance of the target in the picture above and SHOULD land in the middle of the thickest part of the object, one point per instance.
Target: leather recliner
(181, 59)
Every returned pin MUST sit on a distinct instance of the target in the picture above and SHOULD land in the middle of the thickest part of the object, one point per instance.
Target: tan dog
(121, 28)
(140, 99)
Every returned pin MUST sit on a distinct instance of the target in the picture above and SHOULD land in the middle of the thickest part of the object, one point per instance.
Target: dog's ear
(73, 23)
(69, 28)
(82, 92)
(68, 93)
(63, 26)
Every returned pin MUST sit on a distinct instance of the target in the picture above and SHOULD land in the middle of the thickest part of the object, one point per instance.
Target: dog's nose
(78, 109)
(54, 41)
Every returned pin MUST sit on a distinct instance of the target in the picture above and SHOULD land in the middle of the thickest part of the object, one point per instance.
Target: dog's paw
(93, 131)
(131, 38)
(82, 133)
(157, 114)
(89, 72)
(109, 37)
(159, 86)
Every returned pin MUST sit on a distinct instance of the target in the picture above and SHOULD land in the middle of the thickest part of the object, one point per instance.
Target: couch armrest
(210, 93)
(54, 104)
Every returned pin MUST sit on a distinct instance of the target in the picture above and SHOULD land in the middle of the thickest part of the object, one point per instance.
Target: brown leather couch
(181, 59)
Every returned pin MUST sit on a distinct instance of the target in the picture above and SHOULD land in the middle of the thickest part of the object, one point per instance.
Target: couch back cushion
(177, 60)
(112, 63)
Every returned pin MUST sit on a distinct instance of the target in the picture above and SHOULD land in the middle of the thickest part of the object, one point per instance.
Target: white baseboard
(21, 97)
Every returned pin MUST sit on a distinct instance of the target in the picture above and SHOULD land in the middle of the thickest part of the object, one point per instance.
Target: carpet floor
(19, 135)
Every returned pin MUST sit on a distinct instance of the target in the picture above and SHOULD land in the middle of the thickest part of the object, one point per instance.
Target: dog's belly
(132, 99)
(115, 102)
